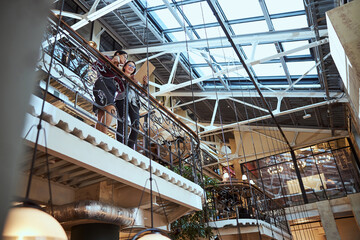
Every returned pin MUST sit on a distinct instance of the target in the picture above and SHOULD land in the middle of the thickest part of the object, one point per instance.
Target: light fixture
(275, 170)
(92, 44)
(252, 182)
(244, 177)
(320, 159)
(151, 234)
(301, 164)
(28, 222)
(307, 115)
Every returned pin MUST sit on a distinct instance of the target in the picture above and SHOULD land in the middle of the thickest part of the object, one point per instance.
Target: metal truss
(93, 14)
(246, 39)
(172, 87)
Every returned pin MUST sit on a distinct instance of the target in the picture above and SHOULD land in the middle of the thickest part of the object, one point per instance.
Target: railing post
(147, 150)
(193, 155)
(179, 155)
(171, 158)
(301, 184)
(125, 118)
(76, 99)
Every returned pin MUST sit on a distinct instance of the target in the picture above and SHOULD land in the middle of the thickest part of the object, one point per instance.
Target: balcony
(87, 166)
(242, 208)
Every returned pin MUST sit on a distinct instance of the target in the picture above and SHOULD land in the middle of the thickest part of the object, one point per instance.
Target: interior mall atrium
(181, 119)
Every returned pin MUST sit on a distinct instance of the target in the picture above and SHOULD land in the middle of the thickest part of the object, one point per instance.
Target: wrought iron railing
(161, 136)
(241, 200)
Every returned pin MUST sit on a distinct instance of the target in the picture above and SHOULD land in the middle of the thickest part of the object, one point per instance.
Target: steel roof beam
(92, 15)
(242, 20)
(247, 39)
(191, 37)
(235, 125)
(151, 27)
(277, 44)
(173, 87)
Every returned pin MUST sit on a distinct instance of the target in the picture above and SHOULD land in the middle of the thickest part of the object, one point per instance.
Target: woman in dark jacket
(105, 89)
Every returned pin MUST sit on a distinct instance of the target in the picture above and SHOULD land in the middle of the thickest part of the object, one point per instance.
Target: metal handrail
(76, 67)
(240, 199)
(99, 55)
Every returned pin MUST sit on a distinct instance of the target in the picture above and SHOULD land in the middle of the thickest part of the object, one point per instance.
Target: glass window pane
(238, 73)
(212, 32)
(284, 157)
(204, 71)
(272, 186)
(300, 68)
(339, 143)
(180, 36)
(165, 19)
(303, 152)
(239, 9)
(292, 45)
(198, 13)
(250, 27)
(261, 51)
(349, 171)
(224, 54)
(152, 3)
(320, 148)
(195, 57)
(333, 184)
(289, 183)
(312, 180)
(269, 69)
(276, 6)
(290, 23)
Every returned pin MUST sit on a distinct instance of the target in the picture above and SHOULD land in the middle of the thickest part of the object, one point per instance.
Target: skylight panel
(165, 19)
(299, 68)
(291, 45)
(290, 23)
(152, 3)
(240, 9)
(224, 54)
(212, 32)
(250, 27)
(261, 51)
(204, 71)
(195, 57)
(198, 13)
(277, 6)
(180, 36)
(269, 69)
(241, 73)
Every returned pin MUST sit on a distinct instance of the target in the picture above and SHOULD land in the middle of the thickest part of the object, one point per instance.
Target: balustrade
(75, 68)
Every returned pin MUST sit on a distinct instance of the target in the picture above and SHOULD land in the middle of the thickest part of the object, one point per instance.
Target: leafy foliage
(191, 227)
(194, 225)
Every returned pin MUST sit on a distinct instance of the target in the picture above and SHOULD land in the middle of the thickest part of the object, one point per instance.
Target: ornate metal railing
(242, 200)
(161, 136)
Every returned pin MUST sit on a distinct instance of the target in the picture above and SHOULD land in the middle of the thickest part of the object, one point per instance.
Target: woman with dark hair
(105, 88)
(133, 106)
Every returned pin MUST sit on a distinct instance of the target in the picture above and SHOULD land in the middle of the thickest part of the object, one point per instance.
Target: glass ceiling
(243, 17)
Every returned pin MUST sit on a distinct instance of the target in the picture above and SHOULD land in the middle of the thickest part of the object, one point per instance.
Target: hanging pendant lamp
(151, 234)
(30, 222)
